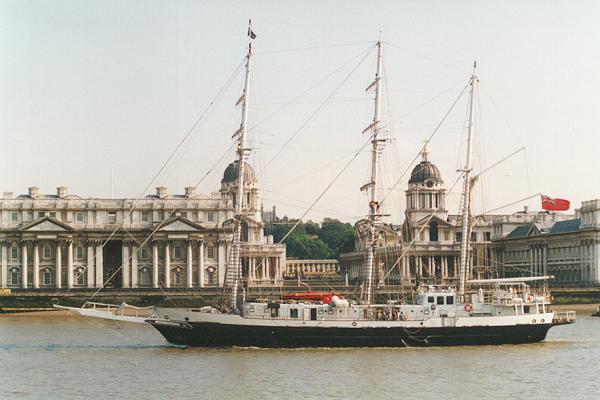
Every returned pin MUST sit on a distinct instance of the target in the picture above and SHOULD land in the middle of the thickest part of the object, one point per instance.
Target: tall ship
(475, 312)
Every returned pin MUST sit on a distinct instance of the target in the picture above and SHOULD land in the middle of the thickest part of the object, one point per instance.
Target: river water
(67, 357)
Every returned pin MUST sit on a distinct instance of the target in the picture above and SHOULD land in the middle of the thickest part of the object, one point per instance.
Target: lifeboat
(323, 297)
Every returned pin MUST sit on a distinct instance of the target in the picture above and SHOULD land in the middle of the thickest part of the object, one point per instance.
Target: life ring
(468, 307)
(432, 307)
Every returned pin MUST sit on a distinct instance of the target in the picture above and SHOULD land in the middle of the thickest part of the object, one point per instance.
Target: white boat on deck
(121, 312)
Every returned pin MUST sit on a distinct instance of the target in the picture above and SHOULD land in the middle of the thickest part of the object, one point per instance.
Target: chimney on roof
(62, 192)
(189, 191)
(161, 192)
(7, 195)
(34, 192)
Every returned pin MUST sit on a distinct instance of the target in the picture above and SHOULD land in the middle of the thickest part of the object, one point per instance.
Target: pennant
(251, 34)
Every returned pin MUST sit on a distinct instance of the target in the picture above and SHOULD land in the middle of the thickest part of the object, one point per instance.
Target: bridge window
(450, 300)
(293, 313)
(440, 300)
(430, 299)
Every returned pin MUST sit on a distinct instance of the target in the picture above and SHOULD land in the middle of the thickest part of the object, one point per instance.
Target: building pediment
(180, 224)
(429, 220)
(47, 224)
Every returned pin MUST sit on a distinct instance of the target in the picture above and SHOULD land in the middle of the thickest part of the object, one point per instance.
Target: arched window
(177, 277)
(433, 231)
(211, 276)
(80, 276)
(244, 231)
(14, 276)
(145, 276)
(47, 277)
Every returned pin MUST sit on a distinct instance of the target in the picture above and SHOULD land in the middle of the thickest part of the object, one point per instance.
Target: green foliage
(311, 241)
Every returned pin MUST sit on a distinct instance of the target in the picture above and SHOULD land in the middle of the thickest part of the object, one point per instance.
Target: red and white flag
(551, 204)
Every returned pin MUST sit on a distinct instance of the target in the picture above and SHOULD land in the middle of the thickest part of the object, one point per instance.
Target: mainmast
(374, 212)
(242, 152)
(466, 195)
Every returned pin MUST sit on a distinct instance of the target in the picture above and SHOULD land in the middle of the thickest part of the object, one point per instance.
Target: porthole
(187, 318)
(542, 321)
(166, 317)
(354, 324)
(533, 321)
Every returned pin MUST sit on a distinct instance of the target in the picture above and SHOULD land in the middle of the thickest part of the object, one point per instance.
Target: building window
(52, 214)
(177, 252)
(46, 252)
(177, 277)
(14, 217)
(63, 215)
(161, 215)
(433, 231)
(487, 236)
(210, 252)
(210, 216)
(79, 217)
(458, 236)
(145, 276)
(41, 214)
(30, 215)
(473, 236)
(145, 216)
(14, 252)
(112, 217)
(144, 253)
(211, 275)
(195, 215)
(446, 236)
(47, 277)
(183, 214)
(80, 276)
(79, 252)
(14, 276)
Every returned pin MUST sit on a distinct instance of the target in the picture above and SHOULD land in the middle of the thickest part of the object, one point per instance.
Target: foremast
(242, 153)
(466, 193)
(374, 211)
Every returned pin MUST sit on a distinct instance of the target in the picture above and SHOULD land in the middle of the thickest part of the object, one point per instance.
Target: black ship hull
(203, 334)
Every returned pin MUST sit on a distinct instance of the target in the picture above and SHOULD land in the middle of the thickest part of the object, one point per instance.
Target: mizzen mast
(466, 194)
(374, 211)
(242, 153)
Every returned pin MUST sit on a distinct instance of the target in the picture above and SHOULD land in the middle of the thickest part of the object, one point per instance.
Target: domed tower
(251, 202)
(426, 193)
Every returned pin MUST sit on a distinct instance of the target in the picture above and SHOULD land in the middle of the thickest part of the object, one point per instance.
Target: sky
(96, 95)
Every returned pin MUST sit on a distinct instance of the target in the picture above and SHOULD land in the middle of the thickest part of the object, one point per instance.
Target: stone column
(36, 266)
(134, 266)
(58, 266)
(201, 265)
(125, 272)
(99, 267)
(24, 272)
(251, 272)
(69, 264)
(90, 266)
(189, 264)
(167, 264)
(221, 258)
(154, 264)
(4, 274)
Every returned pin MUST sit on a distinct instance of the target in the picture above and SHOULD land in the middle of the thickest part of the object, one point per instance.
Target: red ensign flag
(550, 204)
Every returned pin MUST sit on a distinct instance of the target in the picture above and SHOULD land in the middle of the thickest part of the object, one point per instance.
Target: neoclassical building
(567, 249)
(426, 247)
(163, 240)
